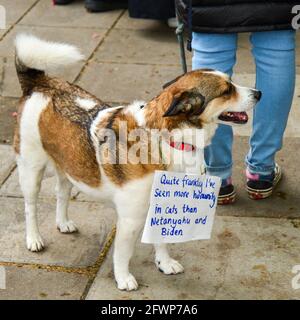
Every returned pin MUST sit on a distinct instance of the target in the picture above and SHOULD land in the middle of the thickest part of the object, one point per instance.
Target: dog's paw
(67, 227)
(127, 283)
(169, 266)
(35, 243)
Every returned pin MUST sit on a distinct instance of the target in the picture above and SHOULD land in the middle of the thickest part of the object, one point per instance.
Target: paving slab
(245, 62)
(9, 83)
(7, 162)
(203, 264)
(94, 220)
(3, 31)
(11, 188)
(146, 46)
(87, 43)
(261, 267)
(125, 22)
(16, 9)
(73, 15)
(127, 82)
(244, 40)
(7, 122)
(10, 86)
(251, 258)
(33, 284)
(151, 41)
(285, 202)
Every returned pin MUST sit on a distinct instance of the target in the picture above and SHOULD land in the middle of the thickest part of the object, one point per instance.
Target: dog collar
(182, 146)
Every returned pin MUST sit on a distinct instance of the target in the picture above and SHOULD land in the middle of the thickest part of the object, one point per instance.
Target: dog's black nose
(257, 95)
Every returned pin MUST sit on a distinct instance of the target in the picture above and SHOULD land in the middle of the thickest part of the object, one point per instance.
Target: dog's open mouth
(235, 117)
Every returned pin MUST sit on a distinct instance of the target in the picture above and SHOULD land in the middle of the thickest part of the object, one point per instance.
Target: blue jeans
(274, 54)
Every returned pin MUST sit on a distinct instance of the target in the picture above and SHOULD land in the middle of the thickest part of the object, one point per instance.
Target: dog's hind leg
(164, 262)
(30, 176)
(63, 193)
(32, 160)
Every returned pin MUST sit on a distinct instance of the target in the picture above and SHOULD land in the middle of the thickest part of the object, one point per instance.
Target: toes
(127, 283)
(67, 227)
(170, 266)
(176, 267)
(35, 244)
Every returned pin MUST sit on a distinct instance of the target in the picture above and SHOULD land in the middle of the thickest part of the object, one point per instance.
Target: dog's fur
(61, 123)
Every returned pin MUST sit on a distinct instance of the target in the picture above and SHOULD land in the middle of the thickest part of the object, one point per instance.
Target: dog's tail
(34, 57)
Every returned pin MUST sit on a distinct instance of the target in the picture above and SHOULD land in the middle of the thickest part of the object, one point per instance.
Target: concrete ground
(254, 246)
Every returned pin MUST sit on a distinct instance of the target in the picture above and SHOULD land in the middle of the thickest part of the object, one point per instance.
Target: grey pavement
(246, 258)
(254, 244)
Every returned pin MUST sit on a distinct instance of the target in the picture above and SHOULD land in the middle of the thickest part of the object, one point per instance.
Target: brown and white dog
(63, 124)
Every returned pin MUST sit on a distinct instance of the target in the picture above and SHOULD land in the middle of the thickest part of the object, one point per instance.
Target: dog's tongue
(235, 117)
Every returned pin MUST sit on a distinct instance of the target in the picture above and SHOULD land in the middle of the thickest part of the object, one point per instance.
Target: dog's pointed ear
(189, 102)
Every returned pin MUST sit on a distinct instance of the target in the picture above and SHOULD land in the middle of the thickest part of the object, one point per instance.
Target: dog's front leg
(164, 262)
(128, 230)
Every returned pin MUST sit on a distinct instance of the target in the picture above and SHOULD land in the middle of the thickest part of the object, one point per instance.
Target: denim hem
(222, 172)
(260, 170)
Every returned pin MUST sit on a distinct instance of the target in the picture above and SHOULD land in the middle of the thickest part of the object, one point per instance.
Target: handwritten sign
(182, 207)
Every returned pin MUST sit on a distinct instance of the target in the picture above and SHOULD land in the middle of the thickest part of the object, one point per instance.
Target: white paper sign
(182, 207)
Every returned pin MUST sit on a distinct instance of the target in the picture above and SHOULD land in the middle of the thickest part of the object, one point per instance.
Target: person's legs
(274, 53)
(217, 51)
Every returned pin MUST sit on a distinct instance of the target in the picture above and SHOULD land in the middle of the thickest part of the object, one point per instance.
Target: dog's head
(207, 96)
